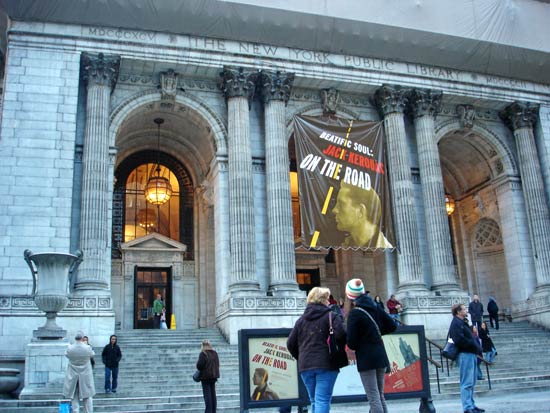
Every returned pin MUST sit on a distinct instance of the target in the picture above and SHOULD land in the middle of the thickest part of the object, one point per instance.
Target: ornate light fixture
(158, 190)
(450, 204)
(147, 218)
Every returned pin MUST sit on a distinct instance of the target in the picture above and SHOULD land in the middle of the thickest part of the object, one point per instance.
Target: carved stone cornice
(237, 82)
(276, 86)
(425, 102)
(99, 69)
(467, 115)
(330, 99)
(391, 99)
(520, 115)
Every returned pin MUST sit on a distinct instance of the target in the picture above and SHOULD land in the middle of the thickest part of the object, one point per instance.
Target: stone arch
(197, 106)
(508, 162)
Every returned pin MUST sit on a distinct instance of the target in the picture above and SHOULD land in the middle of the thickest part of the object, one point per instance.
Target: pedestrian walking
(158, 306)
(209, 366)
(79, 378)
(366, 325)
(492, 309)
(307, 343)
(111, 356)
(468, 350)
(487, 346)
(475, 308)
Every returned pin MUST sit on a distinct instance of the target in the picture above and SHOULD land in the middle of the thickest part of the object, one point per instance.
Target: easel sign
(268, 373)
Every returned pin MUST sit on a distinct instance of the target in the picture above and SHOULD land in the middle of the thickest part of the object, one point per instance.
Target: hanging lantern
(158, 189)
(450, 204)
(147, 218)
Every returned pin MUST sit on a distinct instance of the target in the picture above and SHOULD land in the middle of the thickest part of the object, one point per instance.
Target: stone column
(100, 74)
(391, 102)
(238, 87)
(425, 105)
(275, 90)
(521, 118)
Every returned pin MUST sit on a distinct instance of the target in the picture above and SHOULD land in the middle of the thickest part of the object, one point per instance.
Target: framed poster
(268, 373)
(408, 378)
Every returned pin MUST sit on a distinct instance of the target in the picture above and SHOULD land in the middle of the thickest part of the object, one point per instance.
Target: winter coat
(363, 337)
(392, 304)
(307, 341)
(463, 337)
(79, 371)
(492, 307)
(209, 365)
(486, 342)
(111, 355)
(476, 310)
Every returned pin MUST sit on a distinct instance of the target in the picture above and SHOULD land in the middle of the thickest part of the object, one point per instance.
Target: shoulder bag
(337, 353)
(450, 351)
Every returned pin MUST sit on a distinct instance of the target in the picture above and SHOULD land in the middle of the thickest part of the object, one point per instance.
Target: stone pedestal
(251, 311)
(45, 367)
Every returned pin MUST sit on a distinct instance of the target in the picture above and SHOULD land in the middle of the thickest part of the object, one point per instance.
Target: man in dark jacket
(492, 309)
(468, 349)
(365, 337)
(111, 356)
(476, 311)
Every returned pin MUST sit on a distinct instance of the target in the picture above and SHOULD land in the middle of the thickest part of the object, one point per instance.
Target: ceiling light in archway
(450, 204)
(158, 190)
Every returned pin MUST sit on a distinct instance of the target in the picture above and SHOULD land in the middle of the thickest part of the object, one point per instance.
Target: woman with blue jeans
(307, 343)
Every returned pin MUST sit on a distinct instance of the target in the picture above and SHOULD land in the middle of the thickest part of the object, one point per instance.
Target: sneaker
(114, 391)
(107, 391)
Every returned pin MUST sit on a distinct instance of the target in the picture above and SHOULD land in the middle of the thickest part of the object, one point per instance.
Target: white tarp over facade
(502, 37)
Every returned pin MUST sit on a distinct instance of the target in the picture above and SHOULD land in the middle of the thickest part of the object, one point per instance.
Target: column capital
(467, 115)
(391, 99)
(520, 115)
(276, 85)
(238, 82)
(99, 69)
(425, 102)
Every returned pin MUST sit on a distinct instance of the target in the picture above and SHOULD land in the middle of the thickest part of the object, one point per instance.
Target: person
(468, 349)
(492, 309)
(79, 378)
(475, 308)
(487, 346)
(379, 303)
(367, 322)
(307, 343)
(262, 390)
(111, 356)
(394, 308)
(85, 340)
(163, 324)
(209, 366)
(158, 306)
(479, 373)
(358, 213)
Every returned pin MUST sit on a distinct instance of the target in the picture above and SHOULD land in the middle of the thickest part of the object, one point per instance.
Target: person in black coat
(209, 366)
(307, 343)
(487, 345)
(367, 322)
(468, 349)
(111, 356)
(492, 309)
(475, 308)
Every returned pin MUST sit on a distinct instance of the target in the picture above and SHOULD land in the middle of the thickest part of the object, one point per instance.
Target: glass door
(149, 283)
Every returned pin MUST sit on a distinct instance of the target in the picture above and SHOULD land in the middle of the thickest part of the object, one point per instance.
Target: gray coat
(79, 371)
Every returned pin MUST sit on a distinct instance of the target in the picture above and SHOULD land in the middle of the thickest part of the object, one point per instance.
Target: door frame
(167, 298)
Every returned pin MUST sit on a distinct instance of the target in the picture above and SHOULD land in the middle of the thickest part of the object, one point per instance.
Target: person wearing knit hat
(354, 288)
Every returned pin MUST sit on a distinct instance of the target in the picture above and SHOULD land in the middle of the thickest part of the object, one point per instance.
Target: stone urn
(51, 274)
(9, 382)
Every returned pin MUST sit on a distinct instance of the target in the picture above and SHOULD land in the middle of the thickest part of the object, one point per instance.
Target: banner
(343, 183)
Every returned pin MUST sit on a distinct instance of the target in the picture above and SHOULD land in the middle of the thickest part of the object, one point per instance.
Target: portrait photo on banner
(343, 183)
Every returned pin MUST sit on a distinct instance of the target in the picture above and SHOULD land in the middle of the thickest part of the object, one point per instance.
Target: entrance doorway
(307, 279)
(149, 283)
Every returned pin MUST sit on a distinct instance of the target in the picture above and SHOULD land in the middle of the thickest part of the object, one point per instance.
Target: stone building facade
(79, 105)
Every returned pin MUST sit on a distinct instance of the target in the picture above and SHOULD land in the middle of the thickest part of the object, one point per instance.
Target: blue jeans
(319, 384)
(396, 318)
(490, 355)
(467, 363)
(108, 373)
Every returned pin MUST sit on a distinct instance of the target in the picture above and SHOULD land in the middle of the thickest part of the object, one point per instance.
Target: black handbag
(450, 351)
(197, 376)
(337, 352)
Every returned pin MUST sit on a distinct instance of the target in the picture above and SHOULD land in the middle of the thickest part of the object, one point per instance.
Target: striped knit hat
(354, 288)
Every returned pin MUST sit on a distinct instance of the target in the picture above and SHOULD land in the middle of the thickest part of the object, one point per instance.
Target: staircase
(522, 363)
(156, 368)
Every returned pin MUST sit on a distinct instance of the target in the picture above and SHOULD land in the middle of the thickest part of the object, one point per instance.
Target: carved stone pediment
(154, 241)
